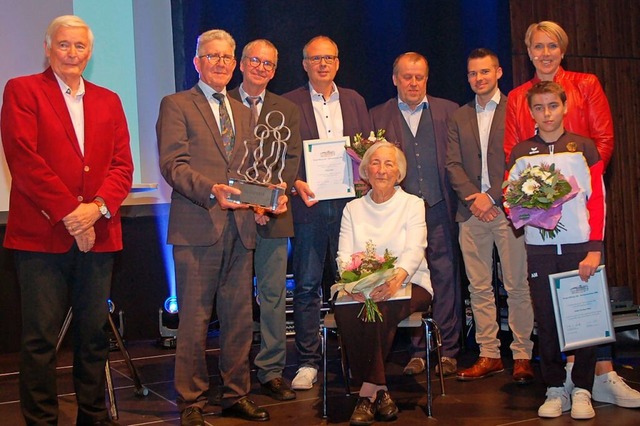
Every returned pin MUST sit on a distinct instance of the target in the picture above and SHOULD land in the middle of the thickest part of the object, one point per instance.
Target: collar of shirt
(66, 90)
(208, 90)
(335, 95)
(491, 105)
(243, 96)
(404, 107)
(215, 107)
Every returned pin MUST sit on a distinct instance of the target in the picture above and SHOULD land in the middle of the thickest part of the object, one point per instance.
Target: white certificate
(328, 168)
(582, 309)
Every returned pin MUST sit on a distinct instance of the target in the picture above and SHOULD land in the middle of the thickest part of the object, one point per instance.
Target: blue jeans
(313, 243)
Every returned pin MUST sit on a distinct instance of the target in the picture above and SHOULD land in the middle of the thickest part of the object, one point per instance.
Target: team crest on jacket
(572, 146)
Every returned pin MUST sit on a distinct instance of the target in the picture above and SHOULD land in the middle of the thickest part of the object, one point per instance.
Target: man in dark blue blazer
(326, 111)
(419, 125)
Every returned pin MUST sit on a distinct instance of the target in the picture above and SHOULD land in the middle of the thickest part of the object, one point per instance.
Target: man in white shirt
(476, 167)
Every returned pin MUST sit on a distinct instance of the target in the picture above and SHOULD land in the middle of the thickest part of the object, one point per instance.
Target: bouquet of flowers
(535, 198)
(365, 271)
(359, 146)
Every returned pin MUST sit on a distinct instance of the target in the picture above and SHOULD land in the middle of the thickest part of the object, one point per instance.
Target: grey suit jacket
(388, 116)
(192, 160)
(280, 226)
(464, 155)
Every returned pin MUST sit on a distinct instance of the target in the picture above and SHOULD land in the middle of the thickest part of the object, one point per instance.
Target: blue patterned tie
(226, 129)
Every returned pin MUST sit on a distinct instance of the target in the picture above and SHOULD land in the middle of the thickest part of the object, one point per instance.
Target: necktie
(226, 129)
(253, 105)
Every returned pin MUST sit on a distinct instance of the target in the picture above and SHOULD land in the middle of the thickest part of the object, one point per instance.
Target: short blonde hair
(69, 21)
(551, 29)
(207, 36)
(401, 160)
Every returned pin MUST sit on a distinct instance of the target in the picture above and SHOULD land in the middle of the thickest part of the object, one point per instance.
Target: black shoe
(278, 389)
(386, 409)
(216, 398)
(191, 416)
(84, 420)
(364, 413)
(246, 409)
(104, 422)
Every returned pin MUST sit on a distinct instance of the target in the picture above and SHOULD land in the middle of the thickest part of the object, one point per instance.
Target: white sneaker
(305, 378)
(557, 401)
(611, 388)
(581, 408)
(568, 383)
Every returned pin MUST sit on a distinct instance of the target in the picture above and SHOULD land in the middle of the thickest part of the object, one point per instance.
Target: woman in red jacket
(588, 114)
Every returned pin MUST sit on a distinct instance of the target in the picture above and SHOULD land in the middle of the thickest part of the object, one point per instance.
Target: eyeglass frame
(317, 59)
(267, 65)
(226, 59)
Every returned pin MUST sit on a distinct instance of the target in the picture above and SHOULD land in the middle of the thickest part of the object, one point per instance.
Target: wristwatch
(101, 206)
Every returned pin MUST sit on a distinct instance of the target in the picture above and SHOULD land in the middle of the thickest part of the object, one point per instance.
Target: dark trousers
(48, 282)
(540, 266)
(368, 343)
(442, 258)
(313, 243)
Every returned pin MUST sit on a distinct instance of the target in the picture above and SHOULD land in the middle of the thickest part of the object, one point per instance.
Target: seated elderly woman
(393, 220)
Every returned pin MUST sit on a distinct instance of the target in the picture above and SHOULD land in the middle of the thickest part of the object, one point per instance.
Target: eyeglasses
(216, 57)
(255, 63)
(328, 59)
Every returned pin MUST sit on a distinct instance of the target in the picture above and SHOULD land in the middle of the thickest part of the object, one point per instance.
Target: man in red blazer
(67, 146)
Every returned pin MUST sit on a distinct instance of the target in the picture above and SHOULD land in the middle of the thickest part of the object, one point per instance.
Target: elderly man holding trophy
(204, 138)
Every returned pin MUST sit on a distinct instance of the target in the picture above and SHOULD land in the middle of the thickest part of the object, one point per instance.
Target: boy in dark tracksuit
(579, 246)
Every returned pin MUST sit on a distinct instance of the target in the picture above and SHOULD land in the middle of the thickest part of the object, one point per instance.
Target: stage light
(168, 323)
(171, 305)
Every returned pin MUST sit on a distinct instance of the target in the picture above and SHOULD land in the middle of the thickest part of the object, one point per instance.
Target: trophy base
(256, 194)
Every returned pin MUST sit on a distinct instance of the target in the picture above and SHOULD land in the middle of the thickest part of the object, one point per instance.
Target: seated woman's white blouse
(398, 224)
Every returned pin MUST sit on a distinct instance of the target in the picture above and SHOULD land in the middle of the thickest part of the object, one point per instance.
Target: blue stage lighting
(171, 305)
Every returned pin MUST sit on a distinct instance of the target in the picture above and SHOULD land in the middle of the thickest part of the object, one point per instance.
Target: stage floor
(491, 401)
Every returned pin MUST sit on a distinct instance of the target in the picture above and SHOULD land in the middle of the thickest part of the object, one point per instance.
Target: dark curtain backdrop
(369, 33)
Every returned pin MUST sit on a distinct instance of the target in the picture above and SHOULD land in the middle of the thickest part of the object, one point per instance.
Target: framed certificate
(328, 168)
(582, 309)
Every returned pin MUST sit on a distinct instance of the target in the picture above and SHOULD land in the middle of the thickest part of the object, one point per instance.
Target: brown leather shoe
(522, 371)
(191, 416)
(278, 389)
(449, 366)
(483, 367)
(386, 410)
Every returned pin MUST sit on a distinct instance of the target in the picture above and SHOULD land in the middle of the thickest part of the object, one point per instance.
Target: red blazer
(588, 112)
(50, 176)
